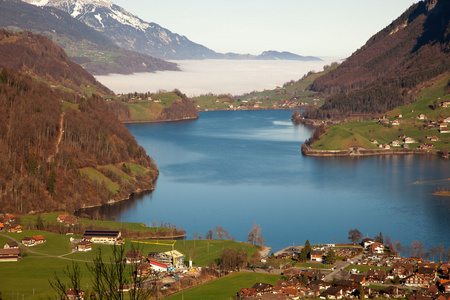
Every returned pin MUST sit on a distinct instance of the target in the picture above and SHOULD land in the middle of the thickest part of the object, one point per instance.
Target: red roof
(157, 264)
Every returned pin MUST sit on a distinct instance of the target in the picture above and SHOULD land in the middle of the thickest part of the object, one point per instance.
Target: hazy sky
(334, 28)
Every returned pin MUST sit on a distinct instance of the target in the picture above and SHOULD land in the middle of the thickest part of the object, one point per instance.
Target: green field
(98, 177)
(365, 269)
(35, 269)
(226, 287)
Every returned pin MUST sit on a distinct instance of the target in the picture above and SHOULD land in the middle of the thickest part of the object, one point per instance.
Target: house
(144, 270)
(75, 294)
(133, 257)
(334, 292)
(426, 146)
(366, 242)
(61, 218)
(376, 276)
(9, 254)
(14, 228)
(28, 241)
(447, 120)
(421, 117)
(395, 123)
(157, 266)
(84, 246)
(445, 284)
(102, 236)
(256, 105)
(395, 143)
(409, 140)
(316, 255)
(416, 280)
(386, 146)
(1, 226)
(401, 270)
(262, 288)
(445, 104)
(39, 239)
(175, 257)
(8, 219)
(11, 245)
(434, 139)
(358, 278)
(71, 221)
(374, 141)
(429, 273)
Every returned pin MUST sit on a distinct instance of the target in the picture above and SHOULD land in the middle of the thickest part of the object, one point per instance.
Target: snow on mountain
(129, 31)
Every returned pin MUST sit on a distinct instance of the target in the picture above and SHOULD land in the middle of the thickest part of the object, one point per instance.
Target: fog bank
(215, 76)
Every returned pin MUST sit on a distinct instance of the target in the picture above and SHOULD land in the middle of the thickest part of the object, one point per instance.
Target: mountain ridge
(130, 32)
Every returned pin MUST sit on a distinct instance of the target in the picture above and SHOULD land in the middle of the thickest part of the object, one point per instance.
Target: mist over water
(215, 76)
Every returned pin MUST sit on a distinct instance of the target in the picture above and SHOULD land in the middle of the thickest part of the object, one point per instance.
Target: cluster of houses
(404, 142)
(7, 224)
(388, 277)
(159, 262)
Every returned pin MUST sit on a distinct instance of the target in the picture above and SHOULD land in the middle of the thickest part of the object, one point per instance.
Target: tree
(379, 238)
(397, 247)
(220, 233)
(330, 258)
(39, 223)
(232, 259)
(209, 235)
(255, 236)
(107, 277)
(354, 235)
(441, 250)
(433, 251)
(417, 249)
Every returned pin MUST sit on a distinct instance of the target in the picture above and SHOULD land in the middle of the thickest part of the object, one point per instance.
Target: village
(366, 268)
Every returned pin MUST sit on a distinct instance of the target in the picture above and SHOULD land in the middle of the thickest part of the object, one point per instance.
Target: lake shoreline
(360, 151)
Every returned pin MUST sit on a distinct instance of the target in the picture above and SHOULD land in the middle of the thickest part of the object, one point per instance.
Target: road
(339, 272)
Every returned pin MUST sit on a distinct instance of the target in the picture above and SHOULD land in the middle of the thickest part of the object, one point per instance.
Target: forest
(47, 137)
(389, 69)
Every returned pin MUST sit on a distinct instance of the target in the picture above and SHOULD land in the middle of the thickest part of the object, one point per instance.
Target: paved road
(339, 272)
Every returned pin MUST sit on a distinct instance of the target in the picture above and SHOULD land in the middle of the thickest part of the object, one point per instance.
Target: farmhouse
(102, 236)
(133, 257)
(11, 245)
(9, 254)
(84, 246)
(316, 255)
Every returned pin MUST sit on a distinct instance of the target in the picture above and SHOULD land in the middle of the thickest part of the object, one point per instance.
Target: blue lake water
(231, 169)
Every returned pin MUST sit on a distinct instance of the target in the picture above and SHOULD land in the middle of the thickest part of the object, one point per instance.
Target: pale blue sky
(333, 28)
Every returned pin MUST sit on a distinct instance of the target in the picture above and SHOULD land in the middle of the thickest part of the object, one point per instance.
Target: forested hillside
(388, 70)
(39, 56)
(59, 149)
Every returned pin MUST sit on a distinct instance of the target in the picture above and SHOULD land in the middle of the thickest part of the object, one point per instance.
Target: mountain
(38, 56)
(60, 150)
(275, 55)
(129, 31)
(88, 47)
(390, 68)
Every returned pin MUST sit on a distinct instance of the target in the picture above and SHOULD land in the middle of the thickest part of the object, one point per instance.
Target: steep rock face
(129, 31)
(382, 74)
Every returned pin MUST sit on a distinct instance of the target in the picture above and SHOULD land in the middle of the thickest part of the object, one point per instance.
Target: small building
(374, 141)
(133, 257)
(445, 104)
(158, 267)
(144, 270)
(417, 280)
(366, 242)
(110, 237)
(395, 123)
(61, 218)
(176, 257)
(421, 117)
(9, 254)
(28, 241)
(84, 246)
(395, 143)
(2, 226)
(75, 294)
(11, 245)
(317, 255)
(39, 239)
(409, 140)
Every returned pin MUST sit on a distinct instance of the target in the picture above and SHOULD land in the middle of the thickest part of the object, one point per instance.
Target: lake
(233, 168)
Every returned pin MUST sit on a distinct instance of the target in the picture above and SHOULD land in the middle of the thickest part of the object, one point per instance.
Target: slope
(94, 51)
(54, 139)
(386, 71)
